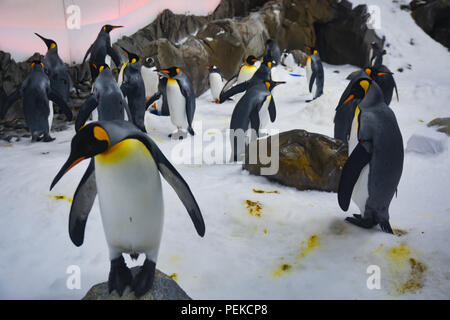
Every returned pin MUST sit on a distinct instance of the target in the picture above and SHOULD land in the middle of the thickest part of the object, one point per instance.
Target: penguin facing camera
(314, 73)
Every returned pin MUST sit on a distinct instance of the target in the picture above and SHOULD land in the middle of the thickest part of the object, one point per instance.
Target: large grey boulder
(164, 288)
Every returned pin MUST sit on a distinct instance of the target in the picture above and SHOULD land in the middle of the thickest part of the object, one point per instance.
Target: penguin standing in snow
(133, 89)
(57, 71)
(125, 171)
(100, 48)
(246, 71)
(181, 101)
(106, 97)
(372, 172)
(385, 80)
(36, 92)
(314, 73)
(215, 79)
(251, 111)
(150, 76)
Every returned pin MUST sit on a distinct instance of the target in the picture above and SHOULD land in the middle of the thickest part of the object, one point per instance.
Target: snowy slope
(299, 247)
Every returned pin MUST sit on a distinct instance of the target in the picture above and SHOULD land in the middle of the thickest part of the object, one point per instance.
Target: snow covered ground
(299, 247)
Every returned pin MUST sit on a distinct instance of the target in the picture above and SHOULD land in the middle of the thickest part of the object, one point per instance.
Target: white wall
(19, 19)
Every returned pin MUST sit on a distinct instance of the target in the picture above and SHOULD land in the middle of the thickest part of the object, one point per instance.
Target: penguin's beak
(70, 163)
(207, 68)
(115, 27)
(164, 72)
(48, 42)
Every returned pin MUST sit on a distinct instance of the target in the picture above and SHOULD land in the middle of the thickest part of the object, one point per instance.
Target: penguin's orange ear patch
(101, 134)
(53, 45)
(368, 71)
(365, 85)
(42, 64)
(32, 64)
(178, 70)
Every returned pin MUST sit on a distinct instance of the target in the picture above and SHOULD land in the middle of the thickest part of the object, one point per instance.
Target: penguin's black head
(37, 63)
(48, 42)
(250, 60)
(90, 140)
(171, 72)
(311, 50)
(107, 28)
(359, 89)
(212, 68)
(100, 67)
(149, 62)
(272, 84)
(132, 58)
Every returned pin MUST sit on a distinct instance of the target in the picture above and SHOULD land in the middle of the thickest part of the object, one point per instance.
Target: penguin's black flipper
(255, 121)
(311, 81)
(190, 103)
(177, 182)
(350, 174)
(16, 95)
(56, 98)
(85, 110)
(82, 203)
(395, 87)
(152, 99)
(272, 110)
(241, 87)
(229, 83)
(114, 56)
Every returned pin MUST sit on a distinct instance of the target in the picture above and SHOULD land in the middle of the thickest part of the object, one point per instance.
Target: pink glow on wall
(19, 19)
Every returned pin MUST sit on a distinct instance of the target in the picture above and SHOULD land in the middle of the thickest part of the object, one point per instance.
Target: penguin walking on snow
(372, 172)
(106, 97)
(124, 170)
(215, 79)
(37, 93)
(181, 101)
(57, 71)
(251, 112)
(314, 73)
(100, 48)
(133, 89)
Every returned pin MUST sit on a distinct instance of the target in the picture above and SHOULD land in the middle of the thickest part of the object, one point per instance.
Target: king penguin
(181, 101)
(36, 92)
(100, 48)
(314, 73)
(106, 97)
(215, 79)
(273, 51)
(372, 172)
(250, 112)
(124, 170)
(133, 89)
(57, 71)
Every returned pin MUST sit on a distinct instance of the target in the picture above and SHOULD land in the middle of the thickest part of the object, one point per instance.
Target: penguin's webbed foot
(119, 276)
(361, 222)
(47, 138)
(386, 227)
(143, 281)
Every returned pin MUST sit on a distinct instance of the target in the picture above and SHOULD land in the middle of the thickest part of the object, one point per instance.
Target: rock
(307, 161)
(346, 39)
(433, 16)
(164, 288)
(443, 125)
(426, 141)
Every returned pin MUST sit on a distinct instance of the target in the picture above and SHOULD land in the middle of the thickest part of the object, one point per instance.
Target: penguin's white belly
(216, 84)
(361, 189)
(151, 81)
(130, 197)
(246, 73)
(177, 104)
(50, 115)
(264, 113)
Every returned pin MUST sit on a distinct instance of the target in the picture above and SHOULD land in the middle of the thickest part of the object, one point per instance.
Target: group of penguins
(126, 164)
